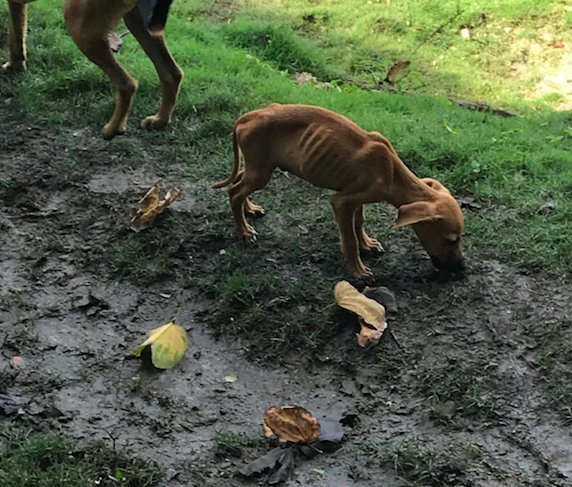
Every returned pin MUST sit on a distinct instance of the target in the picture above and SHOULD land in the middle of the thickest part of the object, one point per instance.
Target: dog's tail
(235, 167)
(159, 16)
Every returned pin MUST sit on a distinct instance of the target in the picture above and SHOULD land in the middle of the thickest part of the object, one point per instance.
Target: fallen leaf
(263, 463)
(350, 298)
(331, 434)
(168, 344)
(291, 423)
(304, 78)
(370, 312)
(152, 205)
(546, 207)
(16, 362)
(383, 296)
(12, 404)
(469, 202)
(286, 469)
(395, 70)
(369, 335)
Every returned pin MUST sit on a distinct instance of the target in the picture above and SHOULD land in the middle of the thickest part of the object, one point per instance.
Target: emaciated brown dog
(331, 151)
(89, 23)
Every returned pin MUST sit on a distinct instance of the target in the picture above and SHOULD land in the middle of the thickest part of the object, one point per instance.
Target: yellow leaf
(370, 311)
(152, 205)
(369, 335)
(168, 344)
(291, 423)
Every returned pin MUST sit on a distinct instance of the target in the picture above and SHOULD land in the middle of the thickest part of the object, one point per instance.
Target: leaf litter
(299, 434)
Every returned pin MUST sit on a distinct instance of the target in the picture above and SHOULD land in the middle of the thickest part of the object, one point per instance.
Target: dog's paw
(154, 122)
(372, 245)
(110, 131)
(362, 272)
(253, 210)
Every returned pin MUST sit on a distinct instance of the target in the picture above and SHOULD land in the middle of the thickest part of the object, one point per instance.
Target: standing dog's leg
(17, 37)
(345, 208)
(89, 27)
(256, 175)
(365, 241)
(169, 73)
(250, 208)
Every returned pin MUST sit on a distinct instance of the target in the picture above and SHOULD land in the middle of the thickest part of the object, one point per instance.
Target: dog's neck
(405, 187)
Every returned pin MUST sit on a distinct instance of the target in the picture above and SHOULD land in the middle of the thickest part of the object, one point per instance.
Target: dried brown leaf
(291, 423)
(395, 70)
(152, 205)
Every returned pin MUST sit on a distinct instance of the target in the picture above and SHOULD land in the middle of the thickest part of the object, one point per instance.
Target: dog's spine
(159, 17)
(232, 177)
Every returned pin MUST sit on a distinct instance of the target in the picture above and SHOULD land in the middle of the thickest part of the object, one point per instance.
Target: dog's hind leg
(170, 75)
(17, 37)
(345, 207)
(365, 241)
(89, 24)
(254, 178)
(250, 208)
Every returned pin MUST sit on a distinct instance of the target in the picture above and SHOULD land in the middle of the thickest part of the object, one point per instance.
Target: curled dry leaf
(369, 335)
(152, 205)
(168, 344)
(291, 423)
(371, 313)
(16, 362)
(395, 70)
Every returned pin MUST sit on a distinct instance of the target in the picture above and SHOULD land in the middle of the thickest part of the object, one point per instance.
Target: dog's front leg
(345, 210)
(17, 37)
(365, 241)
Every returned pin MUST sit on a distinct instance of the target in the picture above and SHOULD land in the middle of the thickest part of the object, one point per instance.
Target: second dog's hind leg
(250, 209)
(251, 180)
(17, 37)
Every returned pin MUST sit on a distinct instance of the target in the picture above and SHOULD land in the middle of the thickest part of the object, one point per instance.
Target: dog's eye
(453, 241)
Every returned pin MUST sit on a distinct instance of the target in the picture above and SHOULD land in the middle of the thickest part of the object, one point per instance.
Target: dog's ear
(417, 212)
(436, 185)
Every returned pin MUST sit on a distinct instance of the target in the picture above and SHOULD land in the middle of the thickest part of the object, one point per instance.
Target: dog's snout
(456, 265)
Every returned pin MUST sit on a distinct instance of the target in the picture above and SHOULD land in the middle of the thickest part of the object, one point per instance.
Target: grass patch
(463, 386)
(229, 444)
(512, 166)
(54, 460)
(555, 365)
(417, 462)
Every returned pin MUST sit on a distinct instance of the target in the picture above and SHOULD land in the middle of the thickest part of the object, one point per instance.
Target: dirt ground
(65, 199)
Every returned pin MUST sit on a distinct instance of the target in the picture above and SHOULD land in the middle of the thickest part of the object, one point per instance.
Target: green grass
(54, 460)
(227, 444)
(501, 64)
(418, 462)
(555, 364)
(512, 166)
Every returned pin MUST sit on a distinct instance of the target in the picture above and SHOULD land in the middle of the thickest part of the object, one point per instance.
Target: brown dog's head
(439, 225)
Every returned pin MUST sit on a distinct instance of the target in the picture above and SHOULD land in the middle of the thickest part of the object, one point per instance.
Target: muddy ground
(459, 394)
